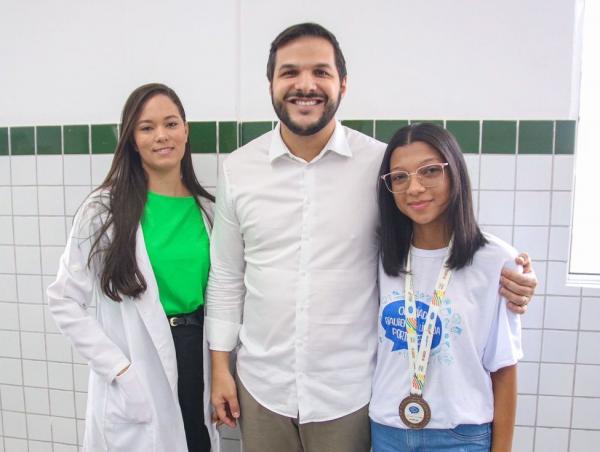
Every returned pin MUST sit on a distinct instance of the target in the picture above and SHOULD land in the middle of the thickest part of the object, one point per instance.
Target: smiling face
(160, 136)
(306, 89)
(425, 206)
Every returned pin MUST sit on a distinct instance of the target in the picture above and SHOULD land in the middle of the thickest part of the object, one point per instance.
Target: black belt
(195, 318)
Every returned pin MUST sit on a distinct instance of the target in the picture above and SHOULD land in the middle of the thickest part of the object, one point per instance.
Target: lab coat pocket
(127, 401)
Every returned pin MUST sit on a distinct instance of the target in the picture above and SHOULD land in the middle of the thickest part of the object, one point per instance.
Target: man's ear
(343, 86)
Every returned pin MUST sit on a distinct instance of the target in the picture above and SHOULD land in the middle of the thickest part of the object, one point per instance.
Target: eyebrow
(164, 119)
(421, 163)
(295, 66)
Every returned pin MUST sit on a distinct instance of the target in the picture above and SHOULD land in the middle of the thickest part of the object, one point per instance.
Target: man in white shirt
(294, 264)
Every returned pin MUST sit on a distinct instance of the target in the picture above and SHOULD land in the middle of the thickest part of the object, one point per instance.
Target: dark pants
(188, 347)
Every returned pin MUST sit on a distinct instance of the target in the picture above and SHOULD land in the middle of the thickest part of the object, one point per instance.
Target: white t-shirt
(475, 334)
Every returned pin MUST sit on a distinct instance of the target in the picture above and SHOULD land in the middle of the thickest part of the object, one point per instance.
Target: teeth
(306, 102)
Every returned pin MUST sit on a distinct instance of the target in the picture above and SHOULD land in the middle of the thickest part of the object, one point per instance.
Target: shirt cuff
(222, 336)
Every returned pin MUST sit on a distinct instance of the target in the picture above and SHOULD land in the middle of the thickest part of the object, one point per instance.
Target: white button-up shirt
(294, 273)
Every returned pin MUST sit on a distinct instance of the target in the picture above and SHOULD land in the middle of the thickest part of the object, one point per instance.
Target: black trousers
(188, 347)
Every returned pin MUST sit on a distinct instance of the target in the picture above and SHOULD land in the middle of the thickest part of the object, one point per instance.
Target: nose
(161, 134)
(414, 185)
(305, 82)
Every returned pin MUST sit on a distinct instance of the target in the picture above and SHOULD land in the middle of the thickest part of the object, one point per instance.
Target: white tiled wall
(43, 383)
(524, 199)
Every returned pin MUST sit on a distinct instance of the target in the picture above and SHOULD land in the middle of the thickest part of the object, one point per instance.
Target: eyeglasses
(428, 176)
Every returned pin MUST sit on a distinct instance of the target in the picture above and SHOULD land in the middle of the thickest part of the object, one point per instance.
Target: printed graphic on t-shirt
(447, 325)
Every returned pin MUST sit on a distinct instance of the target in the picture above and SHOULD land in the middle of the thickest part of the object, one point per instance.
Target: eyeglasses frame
(442, 164)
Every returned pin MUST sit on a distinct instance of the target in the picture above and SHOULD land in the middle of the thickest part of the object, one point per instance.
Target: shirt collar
(338, 143)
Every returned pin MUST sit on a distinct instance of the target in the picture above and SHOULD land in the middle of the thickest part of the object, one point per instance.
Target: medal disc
(415, 412)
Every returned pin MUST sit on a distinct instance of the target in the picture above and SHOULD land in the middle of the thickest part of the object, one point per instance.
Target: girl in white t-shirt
(448, 345)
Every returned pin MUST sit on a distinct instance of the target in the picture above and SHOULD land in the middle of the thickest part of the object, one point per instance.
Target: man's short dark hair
(299, 31)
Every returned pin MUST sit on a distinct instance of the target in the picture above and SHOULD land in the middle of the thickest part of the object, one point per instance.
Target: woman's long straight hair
(397, 228)
(127, 186)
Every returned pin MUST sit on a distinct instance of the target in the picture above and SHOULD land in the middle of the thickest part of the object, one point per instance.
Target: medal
(414, 410)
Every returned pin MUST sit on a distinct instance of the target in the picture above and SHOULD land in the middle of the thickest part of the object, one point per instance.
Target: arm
(516, 287)
(224, 301)
(504, 385)
(70, 295)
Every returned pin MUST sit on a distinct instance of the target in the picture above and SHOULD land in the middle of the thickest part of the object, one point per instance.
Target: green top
(178, 247)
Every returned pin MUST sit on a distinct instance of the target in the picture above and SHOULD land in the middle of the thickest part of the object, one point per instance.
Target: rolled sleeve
(225, 291)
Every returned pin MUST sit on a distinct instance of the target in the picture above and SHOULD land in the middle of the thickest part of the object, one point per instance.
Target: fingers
(515, 302)
(516, 308)
(224, 415)
(524, 260)
(220, 414)
(234, 407)
(214, 418)
(520, 284)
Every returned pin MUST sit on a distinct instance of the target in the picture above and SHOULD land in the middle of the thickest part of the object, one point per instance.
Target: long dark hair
(126, 185)
(397, 228)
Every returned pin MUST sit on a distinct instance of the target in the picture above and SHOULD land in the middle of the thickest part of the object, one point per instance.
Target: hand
(224, 398)
(123, 370)
(518, 288)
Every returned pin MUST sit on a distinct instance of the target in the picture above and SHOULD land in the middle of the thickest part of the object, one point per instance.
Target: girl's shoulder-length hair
(396, 228)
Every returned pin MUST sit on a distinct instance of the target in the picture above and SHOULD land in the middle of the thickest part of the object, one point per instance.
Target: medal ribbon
(418, 356)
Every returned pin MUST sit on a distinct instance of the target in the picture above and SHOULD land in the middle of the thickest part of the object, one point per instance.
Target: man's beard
(328, 113)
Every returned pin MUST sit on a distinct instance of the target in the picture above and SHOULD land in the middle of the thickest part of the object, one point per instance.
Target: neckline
(428, 253)
(161, 196)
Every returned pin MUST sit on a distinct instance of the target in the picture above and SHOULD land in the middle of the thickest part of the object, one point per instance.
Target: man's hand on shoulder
(518, 288)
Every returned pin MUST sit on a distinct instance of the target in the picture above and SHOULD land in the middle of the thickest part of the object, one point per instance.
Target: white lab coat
(138, 410)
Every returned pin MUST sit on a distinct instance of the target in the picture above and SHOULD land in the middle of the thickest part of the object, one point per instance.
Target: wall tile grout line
(543, 336)
(17, 291)
(15, 267)
(41, 269)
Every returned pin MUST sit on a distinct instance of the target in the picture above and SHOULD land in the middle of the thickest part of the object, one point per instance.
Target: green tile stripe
(48, 140)
(385, 129)
(253, 129)
(3, 140)
(76, 139)
(362, 125)
(564, 138)
(104, 138)
(203, 137)
(22, 141)
(228, 136)
(499, 137)
(467, 135)
(535, 137)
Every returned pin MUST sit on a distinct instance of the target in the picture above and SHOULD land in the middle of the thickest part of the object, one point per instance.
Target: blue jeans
(462, 438)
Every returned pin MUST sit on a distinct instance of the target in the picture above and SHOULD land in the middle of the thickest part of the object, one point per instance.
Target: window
(584, 258)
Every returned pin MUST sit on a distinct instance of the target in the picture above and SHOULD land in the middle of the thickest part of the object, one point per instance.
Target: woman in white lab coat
(138, 253)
